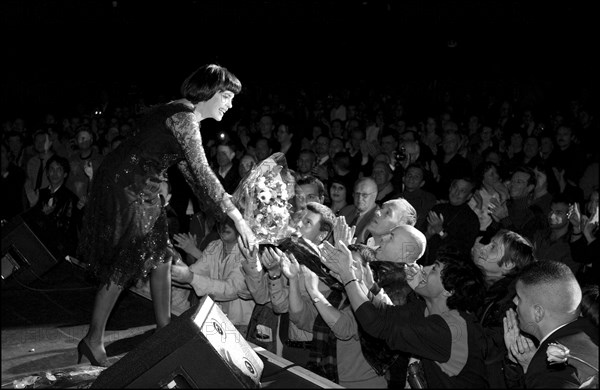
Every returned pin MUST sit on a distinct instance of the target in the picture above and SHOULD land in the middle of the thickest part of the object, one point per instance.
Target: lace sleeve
(195, 167)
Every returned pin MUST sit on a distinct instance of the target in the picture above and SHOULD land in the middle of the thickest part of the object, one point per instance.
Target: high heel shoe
(84, 349)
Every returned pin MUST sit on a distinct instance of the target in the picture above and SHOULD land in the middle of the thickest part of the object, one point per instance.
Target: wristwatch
(316, 299)
(442, 233)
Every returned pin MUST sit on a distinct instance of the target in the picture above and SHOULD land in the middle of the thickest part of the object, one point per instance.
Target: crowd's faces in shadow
(305, 163)
(413, 179)
(518, 186)
(56, 174)
(381, 173)
(227, 233)
(263, 150)
(336, 145)
(460, 192)
(246, 164)
(559, 215)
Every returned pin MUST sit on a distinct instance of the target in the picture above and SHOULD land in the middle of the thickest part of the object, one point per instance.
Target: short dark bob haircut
(207, 80)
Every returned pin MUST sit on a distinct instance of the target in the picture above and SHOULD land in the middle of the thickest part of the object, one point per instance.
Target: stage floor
(42, 322)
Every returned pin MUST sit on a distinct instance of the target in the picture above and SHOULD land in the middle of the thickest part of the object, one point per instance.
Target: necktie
(40, 175)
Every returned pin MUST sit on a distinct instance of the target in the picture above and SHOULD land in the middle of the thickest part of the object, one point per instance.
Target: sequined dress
(124, 233)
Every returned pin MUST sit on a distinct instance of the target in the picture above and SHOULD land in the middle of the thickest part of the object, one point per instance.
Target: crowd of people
(462, 234)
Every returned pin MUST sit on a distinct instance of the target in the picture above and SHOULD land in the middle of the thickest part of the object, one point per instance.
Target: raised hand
(339, 260)
(575, 218)
(290, 266)
(343, 232)
(435, 222)
(498, 209)
(511, 332)
(186, 241)
(415, 275)
(311, 280)
(271, 260)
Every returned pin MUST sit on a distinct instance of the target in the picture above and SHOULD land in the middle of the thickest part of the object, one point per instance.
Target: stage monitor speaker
(23, 254)
(199, 349)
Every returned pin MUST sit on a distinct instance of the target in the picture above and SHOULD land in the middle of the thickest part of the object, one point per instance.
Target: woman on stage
(124, 235)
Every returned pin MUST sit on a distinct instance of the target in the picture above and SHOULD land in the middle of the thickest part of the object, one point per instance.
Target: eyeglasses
(363, 195)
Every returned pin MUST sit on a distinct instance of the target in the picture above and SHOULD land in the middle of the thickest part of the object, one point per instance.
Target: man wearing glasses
(365, 194)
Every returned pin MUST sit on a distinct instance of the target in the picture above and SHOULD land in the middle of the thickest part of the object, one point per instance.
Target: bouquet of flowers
(266, 199)
(263, 197)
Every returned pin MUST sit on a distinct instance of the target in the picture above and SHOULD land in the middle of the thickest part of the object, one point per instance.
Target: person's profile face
(309, 227)
(227, 233)
(217, 105)
(385, 220)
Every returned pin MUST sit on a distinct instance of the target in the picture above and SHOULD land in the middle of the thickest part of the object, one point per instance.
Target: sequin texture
(125, 233)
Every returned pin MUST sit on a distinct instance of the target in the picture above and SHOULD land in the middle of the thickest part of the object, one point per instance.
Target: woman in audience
(500, 261)
(340, 193)
(489, 187)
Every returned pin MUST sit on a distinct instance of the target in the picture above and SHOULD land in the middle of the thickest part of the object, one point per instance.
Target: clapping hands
(520, 348)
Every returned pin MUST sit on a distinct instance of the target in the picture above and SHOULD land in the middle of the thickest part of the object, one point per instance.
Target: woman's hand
(186, 241)
(251, 263)
(248, 237)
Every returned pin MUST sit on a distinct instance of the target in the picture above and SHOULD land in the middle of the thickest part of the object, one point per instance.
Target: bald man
(365, 194)
(548, 298)
(405, 244)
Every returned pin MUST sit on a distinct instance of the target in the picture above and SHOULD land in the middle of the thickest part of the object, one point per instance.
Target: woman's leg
(105, 302)
(160, 290)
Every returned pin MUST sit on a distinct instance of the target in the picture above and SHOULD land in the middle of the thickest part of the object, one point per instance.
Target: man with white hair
(548, 308)
(392, 213)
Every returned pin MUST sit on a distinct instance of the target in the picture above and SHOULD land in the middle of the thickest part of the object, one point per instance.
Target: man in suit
(548, 308)
(365, 194)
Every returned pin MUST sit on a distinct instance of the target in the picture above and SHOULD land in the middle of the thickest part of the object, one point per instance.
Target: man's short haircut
(554, 284)
(407, 215)
(327, 216)
(310, 179)
(464, 280)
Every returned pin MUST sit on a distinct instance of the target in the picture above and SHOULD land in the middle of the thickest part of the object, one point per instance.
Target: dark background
(60, 53)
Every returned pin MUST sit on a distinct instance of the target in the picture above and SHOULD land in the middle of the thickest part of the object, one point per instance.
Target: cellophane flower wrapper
(263, 198)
